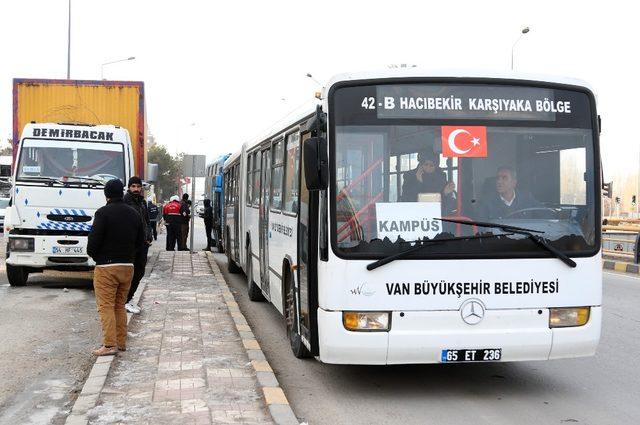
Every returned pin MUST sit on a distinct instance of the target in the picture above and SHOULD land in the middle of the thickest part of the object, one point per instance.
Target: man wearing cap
(173, 221)
(134, 199)
(116, 236)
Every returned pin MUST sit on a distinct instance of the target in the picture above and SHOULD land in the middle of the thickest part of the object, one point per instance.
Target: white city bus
(425, 218)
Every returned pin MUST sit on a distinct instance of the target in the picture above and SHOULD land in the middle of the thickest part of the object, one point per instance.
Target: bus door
(236, 212)
(307, 290)
(265, 177)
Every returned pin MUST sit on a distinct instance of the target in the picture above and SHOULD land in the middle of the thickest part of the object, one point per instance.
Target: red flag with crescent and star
(464, 142)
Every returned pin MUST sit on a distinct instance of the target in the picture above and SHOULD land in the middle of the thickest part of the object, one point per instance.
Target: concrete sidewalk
(186, 363)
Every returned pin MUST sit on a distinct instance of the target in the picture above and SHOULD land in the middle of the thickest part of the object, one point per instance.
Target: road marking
(622, 274)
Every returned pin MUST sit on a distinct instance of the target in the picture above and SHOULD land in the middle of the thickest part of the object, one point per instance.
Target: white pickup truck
(58, 180)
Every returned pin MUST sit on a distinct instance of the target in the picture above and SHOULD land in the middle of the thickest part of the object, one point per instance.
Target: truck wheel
(253, 290)
(291, 321)
(17, 275)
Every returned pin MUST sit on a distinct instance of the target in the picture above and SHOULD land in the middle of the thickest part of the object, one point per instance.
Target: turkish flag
(464, 142)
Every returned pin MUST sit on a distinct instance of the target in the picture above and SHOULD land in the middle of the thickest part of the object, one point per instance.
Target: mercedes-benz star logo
(472, 311)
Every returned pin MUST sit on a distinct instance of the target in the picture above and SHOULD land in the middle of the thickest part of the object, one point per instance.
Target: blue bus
(214, 190)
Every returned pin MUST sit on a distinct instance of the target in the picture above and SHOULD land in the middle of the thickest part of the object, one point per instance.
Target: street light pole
(524, 31)
(109, 63)
(69, 45)
(316, 81)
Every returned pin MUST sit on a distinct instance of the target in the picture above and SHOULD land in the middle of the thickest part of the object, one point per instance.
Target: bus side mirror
(218, 181)
(316, 163)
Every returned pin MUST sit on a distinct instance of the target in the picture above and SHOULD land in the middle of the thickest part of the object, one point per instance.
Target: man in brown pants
(115, 237)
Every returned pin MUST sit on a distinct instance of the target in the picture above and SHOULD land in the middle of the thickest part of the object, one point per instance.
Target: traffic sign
(194, 165)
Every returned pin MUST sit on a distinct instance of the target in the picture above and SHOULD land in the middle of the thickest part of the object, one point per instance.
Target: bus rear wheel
(291, 321)
(16, 275)
(253, 290)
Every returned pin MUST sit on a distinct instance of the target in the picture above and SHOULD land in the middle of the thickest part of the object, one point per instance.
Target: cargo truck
(70, 138)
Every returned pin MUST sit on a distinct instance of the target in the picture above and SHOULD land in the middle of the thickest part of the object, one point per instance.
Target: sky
(218, 74)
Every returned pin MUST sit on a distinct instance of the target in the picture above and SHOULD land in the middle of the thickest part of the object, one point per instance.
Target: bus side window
(292, 173)
(250, 165)
(257, 161)
(277, 169)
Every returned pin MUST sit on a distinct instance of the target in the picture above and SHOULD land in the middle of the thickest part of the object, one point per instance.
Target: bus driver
(507, 200)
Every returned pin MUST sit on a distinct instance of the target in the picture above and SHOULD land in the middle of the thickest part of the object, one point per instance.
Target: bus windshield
(69, 161)
(405, 155)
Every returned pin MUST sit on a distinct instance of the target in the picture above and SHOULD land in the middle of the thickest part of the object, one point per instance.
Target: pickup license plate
(67, 250)
(468, 355)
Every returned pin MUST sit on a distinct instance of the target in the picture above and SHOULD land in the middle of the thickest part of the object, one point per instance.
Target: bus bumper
(52, 252)
(420, 337)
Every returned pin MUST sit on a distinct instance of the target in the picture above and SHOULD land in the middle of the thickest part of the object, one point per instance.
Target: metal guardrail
(621, 238)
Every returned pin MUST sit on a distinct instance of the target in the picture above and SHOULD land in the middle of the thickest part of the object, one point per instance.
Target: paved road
(599, 390)
(47, 335)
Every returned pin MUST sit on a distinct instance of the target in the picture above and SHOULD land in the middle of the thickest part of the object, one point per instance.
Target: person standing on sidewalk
(173, 221)
(134, 199)
(154, 216)
(208, 223)
(185, 212)
(116, 236)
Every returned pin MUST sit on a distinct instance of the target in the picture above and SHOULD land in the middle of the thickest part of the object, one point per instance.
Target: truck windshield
(400, 165)
(68, 161)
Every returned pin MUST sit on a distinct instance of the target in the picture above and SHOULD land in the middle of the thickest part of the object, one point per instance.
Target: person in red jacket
(173, 221)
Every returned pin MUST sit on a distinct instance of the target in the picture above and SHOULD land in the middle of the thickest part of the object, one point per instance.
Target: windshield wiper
(85, 179)
(49, 180)
(422, 244)
(530, 233)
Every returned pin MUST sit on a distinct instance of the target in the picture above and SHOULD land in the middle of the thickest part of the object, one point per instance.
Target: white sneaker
(132, 308)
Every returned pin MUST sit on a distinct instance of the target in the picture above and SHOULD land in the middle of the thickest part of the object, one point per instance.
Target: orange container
(119, 103)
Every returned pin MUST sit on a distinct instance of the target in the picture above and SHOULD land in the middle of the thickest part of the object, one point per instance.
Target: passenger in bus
(428, 178)
(507, 199)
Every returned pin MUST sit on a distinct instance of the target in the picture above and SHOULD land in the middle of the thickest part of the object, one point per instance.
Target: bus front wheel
(291, 322)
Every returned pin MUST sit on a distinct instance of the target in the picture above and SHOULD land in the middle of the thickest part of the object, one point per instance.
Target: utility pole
(69, 45)
(193, 202)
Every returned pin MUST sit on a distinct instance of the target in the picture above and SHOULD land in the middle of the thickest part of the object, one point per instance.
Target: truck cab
(58, 179)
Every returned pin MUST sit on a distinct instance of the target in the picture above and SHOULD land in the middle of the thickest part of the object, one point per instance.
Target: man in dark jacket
(185, 212)
(173, 221)
(116, 236)
(208, 223)
(134, 199)
(154, 216)
(428, 178)
(507, 200)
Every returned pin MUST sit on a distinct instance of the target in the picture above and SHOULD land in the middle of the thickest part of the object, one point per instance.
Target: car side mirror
(316, 163)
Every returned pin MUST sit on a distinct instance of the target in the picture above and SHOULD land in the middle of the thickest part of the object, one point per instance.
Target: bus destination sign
(429, 101)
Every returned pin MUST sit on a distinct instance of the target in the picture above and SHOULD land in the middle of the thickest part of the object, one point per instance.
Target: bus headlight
(568, 316)
(376, 321)
(21, 244)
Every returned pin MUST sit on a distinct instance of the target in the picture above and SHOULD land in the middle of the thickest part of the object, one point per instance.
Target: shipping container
(119, 103)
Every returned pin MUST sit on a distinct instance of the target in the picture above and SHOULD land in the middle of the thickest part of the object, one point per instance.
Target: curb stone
(620, 266)
(279, 407)
(92, 387)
